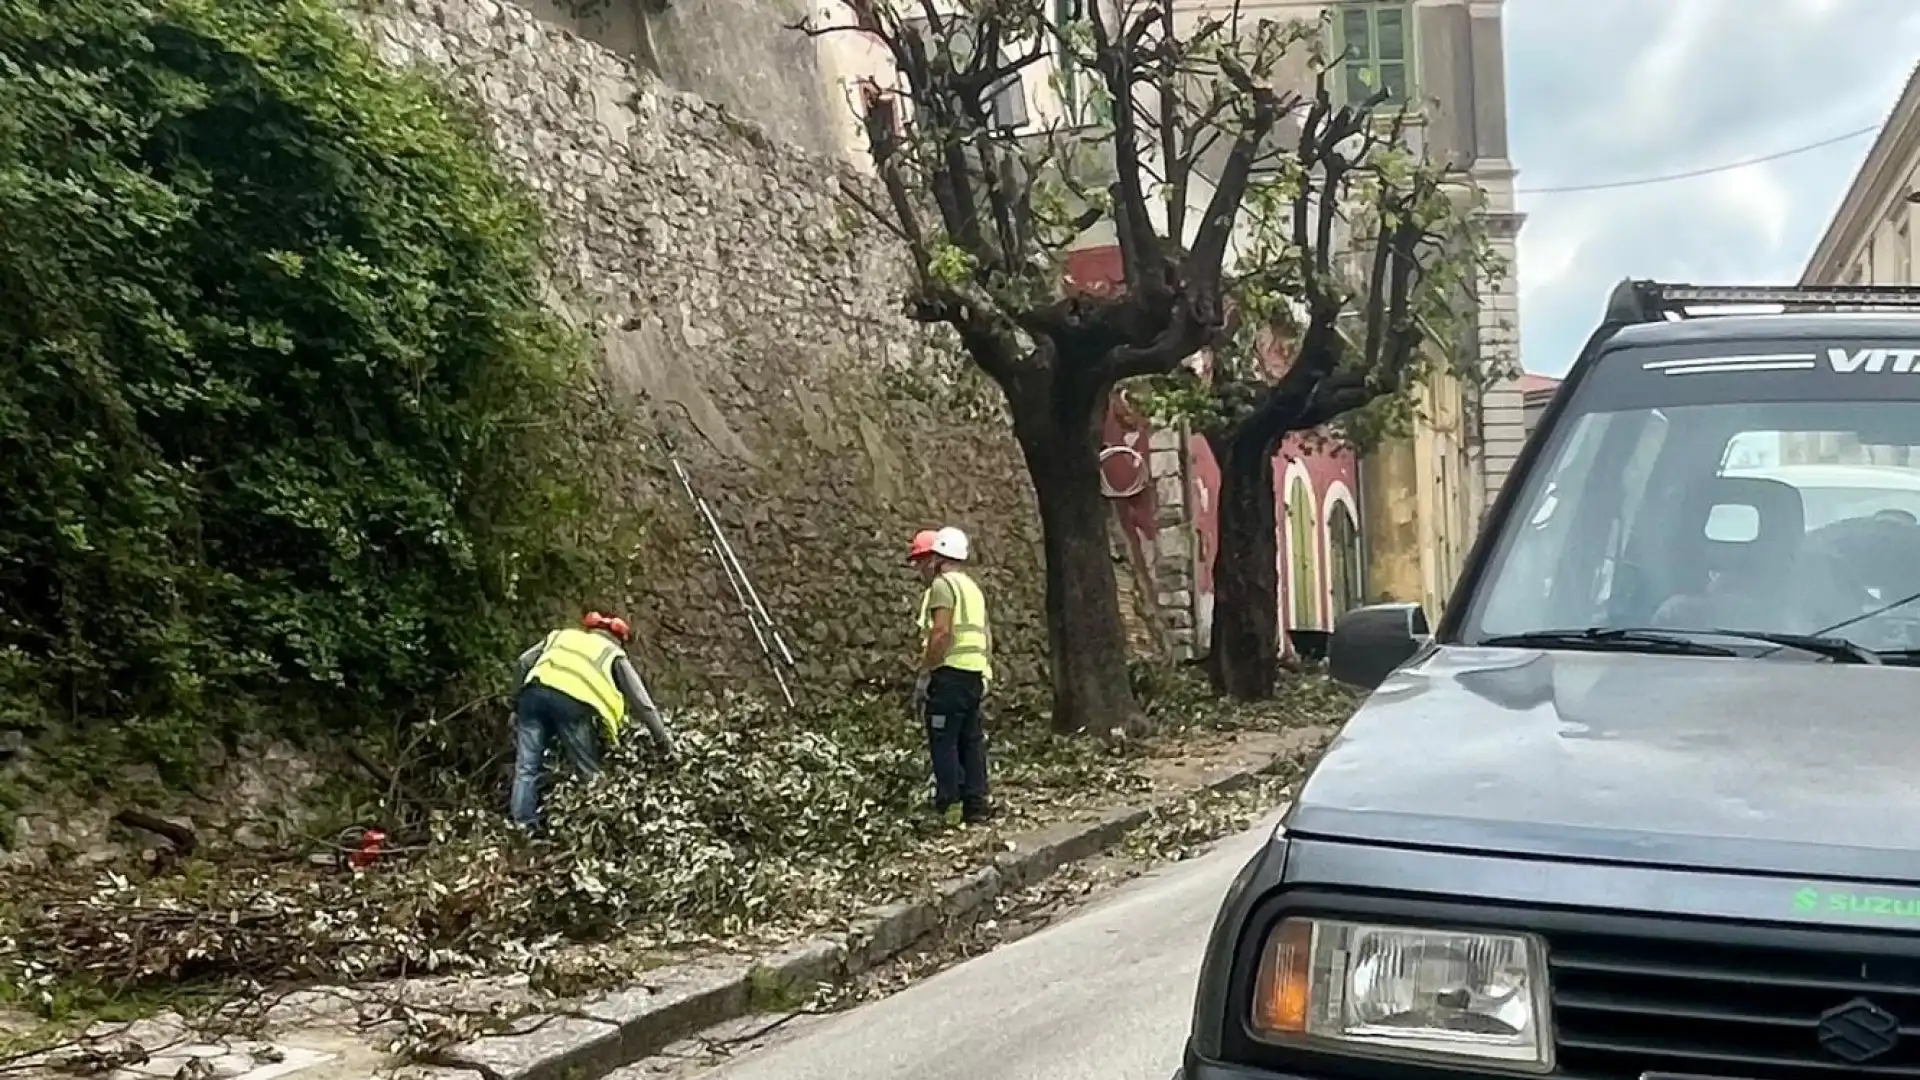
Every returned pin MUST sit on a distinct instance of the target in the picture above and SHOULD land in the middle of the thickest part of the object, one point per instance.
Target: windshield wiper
(1681, 642)
(1837, 649)
(1603, 638)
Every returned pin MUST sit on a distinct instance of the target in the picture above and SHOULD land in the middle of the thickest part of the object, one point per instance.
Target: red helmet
(611, 624)
(922, 544)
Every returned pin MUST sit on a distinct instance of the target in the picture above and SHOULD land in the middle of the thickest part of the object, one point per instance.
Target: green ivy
(284, 427)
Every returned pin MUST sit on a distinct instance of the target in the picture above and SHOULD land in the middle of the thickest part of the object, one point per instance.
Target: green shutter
(1376, 46)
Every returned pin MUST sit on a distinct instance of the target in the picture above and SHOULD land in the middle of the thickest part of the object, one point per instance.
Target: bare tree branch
(988, 215)
(1139, 243)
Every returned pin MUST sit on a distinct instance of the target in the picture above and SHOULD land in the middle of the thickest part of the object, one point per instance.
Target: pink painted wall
(1128, 465)
(1124, 431)
(1328, 468)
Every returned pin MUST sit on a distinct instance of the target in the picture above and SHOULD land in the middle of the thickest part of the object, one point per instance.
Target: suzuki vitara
(1645, 803)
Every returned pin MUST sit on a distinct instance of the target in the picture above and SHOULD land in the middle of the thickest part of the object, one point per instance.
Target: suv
(1646, 804)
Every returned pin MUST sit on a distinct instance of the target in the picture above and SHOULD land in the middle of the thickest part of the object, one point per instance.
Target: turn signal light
(1280, 995)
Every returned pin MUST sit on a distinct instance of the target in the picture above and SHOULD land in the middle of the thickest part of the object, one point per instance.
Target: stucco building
(1398, 524)
(1870, 239)
(1419, 500)
(1537, 391)
(1869, 242)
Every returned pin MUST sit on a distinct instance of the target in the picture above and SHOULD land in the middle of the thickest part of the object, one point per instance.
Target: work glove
(920, 693)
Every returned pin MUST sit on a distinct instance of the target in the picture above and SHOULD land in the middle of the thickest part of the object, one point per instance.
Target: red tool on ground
(359, 848)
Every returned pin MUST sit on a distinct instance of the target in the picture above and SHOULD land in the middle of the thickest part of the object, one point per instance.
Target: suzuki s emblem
(1858, 1031)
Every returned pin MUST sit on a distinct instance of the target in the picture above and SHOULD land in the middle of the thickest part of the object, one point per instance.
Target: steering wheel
(1851, 567)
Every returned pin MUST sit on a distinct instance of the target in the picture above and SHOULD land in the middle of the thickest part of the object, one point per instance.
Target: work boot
(977, 813)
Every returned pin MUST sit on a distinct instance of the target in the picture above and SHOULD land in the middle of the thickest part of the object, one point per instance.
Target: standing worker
(577, 688)
(956, 664)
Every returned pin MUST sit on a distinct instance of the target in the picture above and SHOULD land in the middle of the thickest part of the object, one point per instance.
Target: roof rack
(1654, 301)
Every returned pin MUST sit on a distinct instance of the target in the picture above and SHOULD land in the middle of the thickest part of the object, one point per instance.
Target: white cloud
(1659, 76)
(1814, 10)
(1608, 90)
(1550, 250)
(1754, 199)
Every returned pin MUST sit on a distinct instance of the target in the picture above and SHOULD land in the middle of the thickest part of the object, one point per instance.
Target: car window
(1614, 451)
(1828, 505)
(1837, 477)
(1781, 516)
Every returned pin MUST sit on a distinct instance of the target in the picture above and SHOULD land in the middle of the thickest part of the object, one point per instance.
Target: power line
(1707, 171)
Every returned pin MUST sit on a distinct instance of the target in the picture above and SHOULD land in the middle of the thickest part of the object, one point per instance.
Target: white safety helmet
(950, 543)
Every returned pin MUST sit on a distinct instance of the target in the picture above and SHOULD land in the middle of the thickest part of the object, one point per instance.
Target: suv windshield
(1782, 517)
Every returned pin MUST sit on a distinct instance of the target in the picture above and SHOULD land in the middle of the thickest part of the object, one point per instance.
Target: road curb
(628, 1025)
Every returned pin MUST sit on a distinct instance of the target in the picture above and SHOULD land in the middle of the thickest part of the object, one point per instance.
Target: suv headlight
(1405, 992)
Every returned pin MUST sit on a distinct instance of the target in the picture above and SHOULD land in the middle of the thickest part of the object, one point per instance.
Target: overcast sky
(1607, 90)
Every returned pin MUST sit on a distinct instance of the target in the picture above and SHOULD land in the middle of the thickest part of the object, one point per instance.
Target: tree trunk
(1244, 654)
(1087, 646)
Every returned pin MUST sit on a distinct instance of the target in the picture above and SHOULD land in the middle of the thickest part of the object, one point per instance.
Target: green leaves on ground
(764, 828)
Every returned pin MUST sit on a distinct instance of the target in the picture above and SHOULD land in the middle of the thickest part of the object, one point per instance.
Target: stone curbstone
(628, 1025)
(683, 1003)
(1068, 843)
(885, 932)
(542, 1048)
(800, 968)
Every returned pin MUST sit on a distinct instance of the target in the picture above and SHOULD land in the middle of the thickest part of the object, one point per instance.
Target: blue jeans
(546, 716)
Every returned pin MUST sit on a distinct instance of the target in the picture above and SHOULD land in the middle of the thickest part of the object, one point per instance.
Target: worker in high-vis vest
(576, 688)
(956, 665)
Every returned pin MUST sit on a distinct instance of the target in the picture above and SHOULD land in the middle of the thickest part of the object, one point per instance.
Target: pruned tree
(1355, 288)
(988, 212)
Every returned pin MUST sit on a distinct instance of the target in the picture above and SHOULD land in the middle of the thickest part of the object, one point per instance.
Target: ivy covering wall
(283, 427)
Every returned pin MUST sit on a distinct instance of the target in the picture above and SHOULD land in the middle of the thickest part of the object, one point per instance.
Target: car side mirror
(1370, 642)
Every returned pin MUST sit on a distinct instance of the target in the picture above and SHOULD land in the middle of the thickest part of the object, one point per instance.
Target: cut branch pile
(759, 829)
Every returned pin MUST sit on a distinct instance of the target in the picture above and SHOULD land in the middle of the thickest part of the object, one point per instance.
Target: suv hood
(1772, 766)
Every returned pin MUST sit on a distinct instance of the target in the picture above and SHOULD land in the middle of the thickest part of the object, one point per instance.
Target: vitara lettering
(1875, 361)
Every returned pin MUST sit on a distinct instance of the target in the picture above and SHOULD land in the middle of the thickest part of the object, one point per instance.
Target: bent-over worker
(956, 664)
(577, 688)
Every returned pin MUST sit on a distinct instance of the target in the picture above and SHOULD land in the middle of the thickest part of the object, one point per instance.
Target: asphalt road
(1104, 995)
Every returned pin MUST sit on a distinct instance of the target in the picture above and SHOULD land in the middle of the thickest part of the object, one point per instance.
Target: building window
(1084, 100)
(1376, 46)
(1067, 72)
(882, 108)
(1006, 100)
(1902, 248)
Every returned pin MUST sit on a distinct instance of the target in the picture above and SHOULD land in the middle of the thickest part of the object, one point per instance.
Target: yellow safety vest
(579, 664)
(972, 646)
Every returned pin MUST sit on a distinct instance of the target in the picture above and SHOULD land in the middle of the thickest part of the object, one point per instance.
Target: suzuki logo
(1858, 1031)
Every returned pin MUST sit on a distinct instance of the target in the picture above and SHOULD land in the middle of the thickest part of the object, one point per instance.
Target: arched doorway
(1343, 557)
